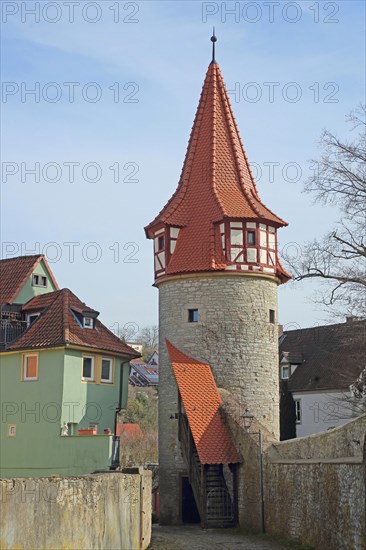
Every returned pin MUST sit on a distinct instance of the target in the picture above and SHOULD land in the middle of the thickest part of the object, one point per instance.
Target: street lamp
(248, 419)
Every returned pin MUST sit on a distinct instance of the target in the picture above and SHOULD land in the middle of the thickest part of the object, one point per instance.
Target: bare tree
(128, 332)
(358, 388)
(339, 258)
(149, 337)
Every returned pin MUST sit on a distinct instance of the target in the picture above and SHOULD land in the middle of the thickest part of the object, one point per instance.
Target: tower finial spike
(213, 40)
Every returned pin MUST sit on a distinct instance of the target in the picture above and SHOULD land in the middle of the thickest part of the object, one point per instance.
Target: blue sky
(156, 56)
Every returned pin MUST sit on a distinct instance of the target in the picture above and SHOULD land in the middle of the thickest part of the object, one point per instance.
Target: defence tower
(217, 271)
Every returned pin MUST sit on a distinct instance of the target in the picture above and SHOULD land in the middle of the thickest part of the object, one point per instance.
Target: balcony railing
(10, 330)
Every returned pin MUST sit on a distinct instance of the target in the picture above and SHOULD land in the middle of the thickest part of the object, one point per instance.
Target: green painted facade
(39, 409)
(29, 291)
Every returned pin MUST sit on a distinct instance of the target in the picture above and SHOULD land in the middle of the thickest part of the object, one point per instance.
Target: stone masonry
(235, 336)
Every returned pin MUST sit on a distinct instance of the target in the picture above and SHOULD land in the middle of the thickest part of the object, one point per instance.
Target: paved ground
(192, 537)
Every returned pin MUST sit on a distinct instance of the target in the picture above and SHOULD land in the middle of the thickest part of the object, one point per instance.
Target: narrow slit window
(193, 315)
(298, 411)
(272, 316)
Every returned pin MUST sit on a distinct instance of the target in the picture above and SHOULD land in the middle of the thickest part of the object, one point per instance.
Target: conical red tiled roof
(202, 402)
(216, 183)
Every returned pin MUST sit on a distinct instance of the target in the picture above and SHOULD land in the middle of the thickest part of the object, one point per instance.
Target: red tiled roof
(202, 403)
(138, 362)
(130, 430)
(14, 273)
(58, 325)
(216, 183)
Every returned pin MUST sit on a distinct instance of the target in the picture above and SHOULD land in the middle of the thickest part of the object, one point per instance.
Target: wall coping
(319, 460)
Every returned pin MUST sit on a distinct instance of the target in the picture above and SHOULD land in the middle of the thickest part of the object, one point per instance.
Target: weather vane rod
(213, 40)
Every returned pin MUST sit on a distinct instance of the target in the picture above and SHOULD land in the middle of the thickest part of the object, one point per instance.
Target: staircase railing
(214, 504)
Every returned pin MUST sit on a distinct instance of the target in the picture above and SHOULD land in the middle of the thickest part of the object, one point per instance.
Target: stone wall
(97, 512)
(314, 488)
(233, 334)
(249, 470)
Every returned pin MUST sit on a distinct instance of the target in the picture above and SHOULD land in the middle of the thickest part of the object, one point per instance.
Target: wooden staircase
(210, 491)
(219, 508)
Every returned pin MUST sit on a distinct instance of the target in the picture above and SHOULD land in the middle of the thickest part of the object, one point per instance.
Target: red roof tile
(216, 183)
(202, 403)
(14, 273)
(58, 325)
(130, 430)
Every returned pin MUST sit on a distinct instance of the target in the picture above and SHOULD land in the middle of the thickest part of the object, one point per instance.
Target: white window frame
(25, 356)
(92, 322)
(11, 430)
(298, 411)
(288, 370)
(29, 315)
(110, 379)
(40, 277)
(91, 379)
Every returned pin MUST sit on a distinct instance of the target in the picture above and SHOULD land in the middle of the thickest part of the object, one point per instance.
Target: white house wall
(321, 411)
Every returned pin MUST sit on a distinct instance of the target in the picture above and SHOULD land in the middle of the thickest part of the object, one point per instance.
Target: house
(62, 374)
(145, 374)
(317, 367)
(154, 359)
(21, 279)
(136, 346)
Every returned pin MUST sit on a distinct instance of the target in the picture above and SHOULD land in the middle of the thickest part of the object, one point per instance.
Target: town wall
(314, 488)
(97, 512)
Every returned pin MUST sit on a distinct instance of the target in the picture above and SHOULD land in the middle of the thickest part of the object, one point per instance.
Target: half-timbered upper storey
(215, 221)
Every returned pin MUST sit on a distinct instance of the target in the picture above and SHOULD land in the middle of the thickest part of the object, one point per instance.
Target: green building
(63, 377)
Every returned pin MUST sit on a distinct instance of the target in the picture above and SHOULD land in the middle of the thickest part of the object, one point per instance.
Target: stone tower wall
(235, 336)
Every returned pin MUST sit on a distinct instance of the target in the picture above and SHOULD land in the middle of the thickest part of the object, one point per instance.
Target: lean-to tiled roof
(202, 402)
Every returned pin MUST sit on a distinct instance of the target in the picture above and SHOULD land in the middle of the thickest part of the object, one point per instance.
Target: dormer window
(31, 318)
(88, 322)
(285, 372)
(39, 280)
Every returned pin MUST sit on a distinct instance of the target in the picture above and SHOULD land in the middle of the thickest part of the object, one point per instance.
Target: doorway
(190, 512)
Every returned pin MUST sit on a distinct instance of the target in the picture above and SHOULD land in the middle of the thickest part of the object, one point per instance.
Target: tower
(217, 272)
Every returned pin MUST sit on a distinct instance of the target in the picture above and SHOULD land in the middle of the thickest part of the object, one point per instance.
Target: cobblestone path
(191, 537)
